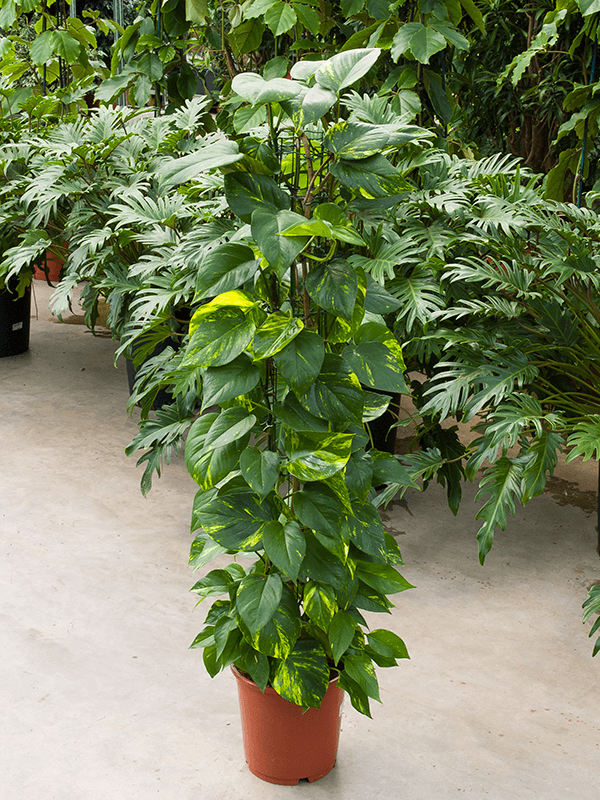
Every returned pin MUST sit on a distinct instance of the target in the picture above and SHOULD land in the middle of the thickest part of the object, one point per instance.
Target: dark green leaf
(341, 633)
(227, 267)
(236, 521)
(334, 287)
(245, 193)
(260, 469)
(382, 577)
(257, 598)
(235, 379)
(301, 360)
(360, 669)
(387, 643)
(280, 251)
(285, 546)
(336, 394)
(279, 635)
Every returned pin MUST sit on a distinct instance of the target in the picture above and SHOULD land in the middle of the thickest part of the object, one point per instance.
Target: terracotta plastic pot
(282, 744)
(54, 266)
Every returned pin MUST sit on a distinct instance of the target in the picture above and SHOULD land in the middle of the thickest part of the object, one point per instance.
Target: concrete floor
(102, 699)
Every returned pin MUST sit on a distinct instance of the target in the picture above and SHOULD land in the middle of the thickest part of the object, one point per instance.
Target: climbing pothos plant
(291, 347)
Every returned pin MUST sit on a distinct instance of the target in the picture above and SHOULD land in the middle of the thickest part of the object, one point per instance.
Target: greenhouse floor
(103, 700)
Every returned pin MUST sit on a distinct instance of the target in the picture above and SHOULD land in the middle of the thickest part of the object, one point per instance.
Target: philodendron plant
(296, 358)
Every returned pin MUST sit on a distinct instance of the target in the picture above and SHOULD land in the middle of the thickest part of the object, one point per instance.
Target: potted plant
(290, 346)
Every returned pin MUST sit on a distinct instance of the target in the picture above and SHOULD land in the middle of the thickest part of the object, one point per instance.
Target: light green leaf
(256, 90)
(214, 154)
(346, 68)
(355, 140)
(387, 642)
(280, 18)
(42, 47)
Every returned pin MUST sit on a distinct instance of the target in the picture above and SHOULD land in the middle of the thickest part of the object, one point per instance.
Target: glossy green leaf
(230, 426)
(236, 521)
(227, 267)
(314, 456)
(254, 663)
(223, 627)
(346, 68)
(278, 330)
(301, 360)
(221, 336)
(319, 603)
(267, 227)
(211, 454)
(358, 697)
(320, 564)
(257, 599)
(366, 531)
(341, 633)
(418, 39)
(376, 404)
(334, 287)
(318, 508)
(385, 642)
(376, 358)
(216, 582)
(285, 546)
(359, 474)
(260, 469)
(246, 192)
(359, 668)
(382, 577)
(336, 394)
(296, 417)
(279, 635)
(303, 677)
(235, 379)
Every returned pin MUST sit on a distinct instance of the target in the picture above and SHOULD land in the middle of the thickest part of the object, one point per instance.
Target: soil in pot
(283, 745)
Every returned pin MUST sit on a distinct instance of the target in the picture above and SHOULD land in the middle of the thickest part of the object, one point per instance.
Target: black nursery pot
(15, 318)
(163, 397)
(384, 436)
